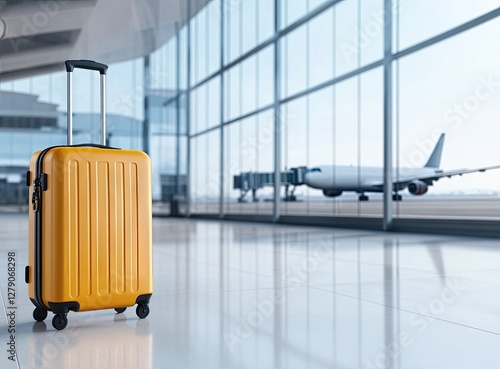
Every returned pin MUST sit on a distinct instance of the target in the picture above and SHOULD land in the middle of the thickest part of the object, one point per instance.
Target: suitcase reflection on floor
(93, 341)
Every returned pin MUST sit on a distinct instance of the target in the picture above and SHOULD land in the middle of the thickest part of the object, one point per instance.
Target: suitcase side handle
(91, 65)
(86, 64)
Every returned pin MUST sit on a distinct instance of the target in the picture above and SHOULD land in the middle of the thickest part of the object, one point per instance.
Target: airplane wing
(434, 176)
(441, 173)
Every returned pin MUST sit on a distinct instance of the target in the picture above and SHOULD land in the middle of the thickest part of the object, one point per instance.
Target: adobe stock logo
(3, 28)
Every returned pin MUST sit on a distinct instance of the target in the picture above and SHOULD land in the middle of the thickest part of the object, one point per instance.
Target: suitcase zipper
(39, 185)
(35, 197)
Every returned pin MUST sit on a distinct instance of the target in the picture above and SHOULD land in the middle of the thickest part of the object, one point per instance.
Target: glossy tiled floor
(236, 295)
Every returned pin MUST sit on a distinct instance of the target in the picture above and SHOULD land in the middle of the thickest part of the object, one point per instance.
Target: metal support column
(277, 114)
(222, 138)
(146, 122)
(388, 176)
(188, 108)
(177, 110)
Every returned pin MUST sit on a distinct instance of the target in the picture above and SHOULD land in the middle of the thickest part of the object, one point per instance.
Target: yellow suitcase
(90, 231)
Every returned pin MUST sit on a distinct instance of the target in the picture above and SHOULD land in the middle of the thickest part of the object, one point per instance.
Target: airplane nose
(306, 178)
(311, 179)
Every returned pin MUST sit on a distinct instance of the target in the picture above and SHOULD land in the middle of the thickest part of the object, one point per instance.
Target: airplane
(334, 180)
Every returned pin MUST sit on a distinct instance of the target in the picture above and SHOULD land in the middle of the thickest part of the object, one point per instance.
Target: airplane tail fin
(435, 158)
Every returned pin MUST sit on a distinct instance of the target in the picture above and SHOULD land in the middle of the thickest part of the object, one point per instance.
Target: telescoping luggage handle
(91, 65)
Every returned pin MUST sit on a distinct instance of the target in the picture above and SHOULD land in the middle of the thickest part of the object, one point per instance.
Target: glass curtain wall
(448, 87)
(166, 87)
(206, 105)
(331, 105)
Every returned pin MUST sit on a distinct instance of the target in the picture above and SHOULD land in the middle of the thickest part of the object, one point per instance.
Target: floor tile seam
(404, 279)
(273, 230)
(408, 311)
(316, 235)
(379, 237)
(230, 290)
(233, 270)
(428, 274)
(410, 279)
(441, 238)
(307, 232)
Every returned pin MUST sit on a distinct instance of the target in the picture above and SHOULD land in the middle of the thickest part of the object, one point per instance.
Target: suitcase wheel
(142, 310)
(39, 314)
(120, 310)
(60, 321)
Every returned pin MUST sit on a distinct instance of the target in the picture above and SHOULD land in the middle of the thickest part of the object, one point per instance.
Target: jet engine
(418, 187)
(332, 193)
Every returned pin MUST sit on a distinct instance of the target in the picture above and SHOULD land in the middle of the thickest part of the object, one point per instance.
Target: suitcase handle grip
(86, 64)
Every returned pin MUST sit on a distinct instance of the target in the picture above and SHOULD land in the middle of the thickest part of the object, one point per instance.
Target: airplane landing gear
(290, 196)
(397, 197)
(363, 197)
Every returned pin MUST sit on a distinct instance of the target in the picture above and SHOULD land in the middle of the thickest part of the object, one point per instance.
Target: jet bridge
(253, 181)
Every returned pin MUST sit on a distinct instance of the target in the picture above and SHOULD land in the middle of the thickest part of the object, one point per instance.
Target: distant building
(24, 111)
(28, 125)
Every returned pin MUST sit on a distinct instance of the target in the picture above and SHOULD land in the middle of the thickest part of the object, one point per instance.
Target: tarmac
(409, 207)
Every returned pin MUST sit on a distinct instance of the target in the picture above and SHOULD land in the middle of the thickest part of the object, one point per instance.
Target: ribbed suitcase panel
(103, 207)
(101, 225)
(131, 241)
(75, 228)
(82, 225)
(96, 246)
(117, 235)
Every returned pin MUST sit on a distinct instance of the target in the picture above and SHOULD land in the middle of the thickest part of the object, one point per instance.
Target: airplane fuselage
(358, 179)
(333, 180)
